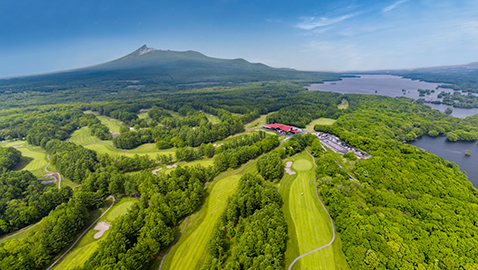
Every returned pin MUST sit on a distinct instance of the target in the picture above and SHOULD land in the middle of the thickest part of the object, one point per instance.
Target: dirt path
(331, 222)
(59, 175)
(87, 229)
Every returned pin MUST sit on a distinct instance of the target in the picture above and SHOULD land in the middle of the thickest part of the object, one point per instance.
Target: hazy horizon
(337, 36)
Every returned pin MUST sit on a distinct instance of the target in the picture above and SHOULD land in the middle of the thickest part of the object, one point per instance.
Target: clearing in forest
(344, 105)
(320, 121)
(308, 223)
(190, 251)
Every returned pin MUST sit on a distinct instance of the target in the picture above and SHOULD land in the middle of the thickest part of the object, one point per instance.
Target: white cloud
(394, 5)
(310, 23)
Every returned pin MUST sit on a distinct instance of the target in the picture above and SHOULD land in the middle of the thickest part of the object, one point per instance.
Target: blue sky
(50, 35)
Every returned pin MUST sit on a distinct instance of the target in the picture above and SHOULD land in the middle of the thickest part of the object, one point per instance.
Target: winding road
(87, 229)
(331, 222)
(59, 175)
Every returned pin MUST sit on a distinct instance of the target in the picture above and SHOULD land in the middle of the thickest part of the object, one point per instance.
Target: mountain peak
(142, 50)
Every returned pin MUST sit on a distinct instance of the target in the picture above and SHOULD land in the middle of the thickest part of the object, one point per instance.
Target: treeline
(9, 158)
(38, 125)
(138, 236)
(24, 200)
(270, 167)
(409, 209)
(251, 232)
(71, 160)
(233, 157)
(56, 231)
(166, 136)
(398, 119)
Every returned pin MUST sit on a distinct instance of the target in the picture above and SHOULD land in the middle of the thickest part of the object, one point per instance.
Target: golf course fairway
(309, 225)
(190, 251)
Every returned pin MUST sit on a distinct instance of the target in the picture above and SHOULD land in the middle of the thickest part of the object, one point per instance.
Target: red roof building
(282, 127)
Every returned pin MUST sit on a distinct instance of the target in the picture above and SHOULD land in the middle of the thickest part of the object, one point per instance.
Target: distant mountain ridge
(167, 59)
(165, 70)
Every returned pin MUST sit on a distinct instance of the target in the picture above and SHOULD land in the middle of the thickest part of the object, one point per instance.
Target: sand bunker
(288, 165)
(17, 146)
(156, 171)
(101, 227)
(171, 166)
(217, 145)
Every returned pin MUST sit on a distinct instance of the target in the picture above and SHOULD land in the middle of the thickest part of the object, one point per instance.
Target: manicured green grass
(190, 251)
(151, 150)
(175, 114)
(105, 148)
(33, 157)
(36, 162)
(302, 165)
(120, 208)
(112, 124)
(320, 121)
(83, 137)
(258, 122)
(212, 118)
(344, 105)
(143, 115)
(88, 244)
(309, 225)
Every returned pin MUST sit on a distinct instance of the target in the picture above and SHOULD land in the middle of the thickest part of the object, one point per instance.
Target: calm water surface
(454, 152)
(392, 86)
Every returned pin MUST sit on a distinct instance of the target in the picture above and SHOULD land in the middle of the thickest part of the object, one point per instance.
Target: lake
(392, 86)
(454, 152)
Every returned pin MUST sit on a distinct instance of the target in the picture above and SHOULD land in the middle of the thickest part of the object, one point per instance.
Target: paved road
(331, 222)
(59, 175)
(87, 229)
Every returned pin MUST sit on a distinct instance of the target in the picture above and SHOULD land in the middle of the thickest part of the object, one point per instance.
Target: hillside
(150, 70)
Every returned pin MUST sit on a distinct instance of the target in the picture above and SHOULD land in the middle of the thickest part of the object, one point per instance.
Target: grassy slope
(83, 137)
(190, 251)
(212, 118)
(33, 157)
(309, 226)
(320, 121)
(111, 123)
(87, 245)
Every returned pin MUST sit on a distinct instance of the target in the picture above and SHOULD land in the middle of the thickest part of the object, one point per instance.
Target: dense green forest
(407, 208)
(251, 232)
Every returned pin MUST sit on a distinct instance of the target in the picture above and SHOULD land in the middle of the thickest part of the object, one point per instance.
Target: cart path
(331, 222)
(177, 238)
(174, 242)
(87, 229)
(20, 231)
(46, 170)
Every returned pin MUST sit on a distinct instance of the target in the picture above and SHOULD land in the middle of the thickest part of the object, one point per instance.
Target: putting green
(309, 225)
(190, 251)
(302, 165)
